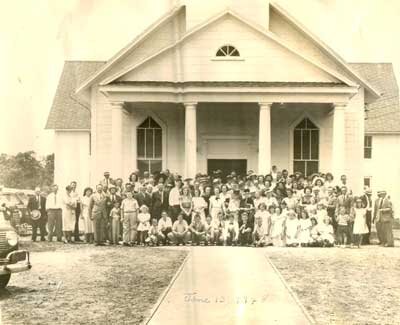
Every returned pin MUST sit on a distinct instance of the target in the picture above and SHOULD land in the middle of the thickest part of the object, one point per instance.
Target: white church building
(227, 85)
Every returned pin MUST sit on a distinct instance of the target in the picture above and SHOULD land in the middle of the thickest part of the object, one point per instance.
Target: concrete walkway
(228, 285)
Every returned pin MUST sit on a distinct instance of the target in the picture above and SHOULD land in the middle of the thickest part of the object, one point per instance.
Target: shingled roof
(67, 111)
(70, 113)
(384, 113)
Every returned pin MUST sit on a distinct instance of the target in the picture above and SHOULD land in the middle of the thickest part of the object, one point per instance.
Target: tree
(25, 171)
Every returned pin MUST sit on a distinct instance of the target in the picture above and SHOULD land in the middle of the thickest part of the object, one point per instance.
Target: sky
(37, 36)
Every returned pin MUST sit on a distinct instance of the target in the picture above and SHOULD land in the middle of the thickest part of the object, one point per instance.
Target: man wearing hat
(367, 203)
(383, 216)
(107, 180)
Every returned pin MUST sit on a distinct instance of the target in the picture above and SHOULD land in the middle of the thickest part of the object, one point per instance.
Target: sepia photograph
(199, 162)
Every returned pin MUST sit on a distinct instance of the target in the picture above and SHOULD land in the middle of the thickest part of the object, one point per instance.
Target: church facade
(240, 89)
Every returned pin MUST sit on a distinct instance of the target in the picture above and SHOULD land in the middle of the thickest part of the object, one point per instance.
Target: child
(230, 231)
(154, 233)
(277, 220)
(314, 233)
(326, 233)
(292, 227)
(259, 234)
(144, 223)
(342, 220)
(360, 226)
(305, 229)
(217, 229)
(245, 230)
(197, 230)
(208, 227)
(115, 215)
(321, 213)
(264, 215)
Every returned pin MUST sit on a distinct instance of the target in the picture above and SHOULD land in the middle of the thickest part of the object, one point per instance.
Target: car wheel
(4, 280)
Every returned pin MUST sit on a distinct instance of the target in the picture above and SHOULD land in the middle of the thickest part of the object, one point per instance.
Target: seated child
(343, 233)
(326, 233)
(314, 234)
(164, 227)
(245, 230)
(217, 229)
(292, 228)
(264, 215)
(260, 234)
(208, 228)
(154, 235)
(305, 229)
(230, 231)
(180, 233)
(115, 215)
(144, 223)
(277, 227)
(197, 230)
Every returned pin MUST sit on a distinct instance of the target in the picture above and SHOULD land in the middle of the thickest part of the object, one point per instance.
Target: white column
(117, 139)
(264, 139)
(190, 140)
(338, 140)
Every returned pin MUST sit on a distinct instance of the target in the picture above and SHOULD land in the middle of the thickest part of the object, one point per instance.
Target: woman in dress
(186, 204)
(216, 204)
(360, 227)
(85, 201)
(199, 205)
(69, 204)
(134, 180)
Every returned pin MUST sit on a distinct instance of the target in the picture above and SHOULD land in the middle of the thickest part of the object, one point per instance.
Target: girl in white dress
(144, 224)
(292, 228)
(360, 225)
(305, 229)
(277, 228)
(89, 229)
(265, 216)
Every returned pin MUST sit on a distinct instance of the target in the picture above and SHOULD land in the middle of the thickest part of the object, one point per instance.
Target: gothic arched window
(306, 147)
(149, 146)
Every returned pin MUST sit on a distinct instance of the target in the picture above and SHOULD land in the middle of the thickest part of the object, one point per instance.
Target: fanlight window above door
(227, 51)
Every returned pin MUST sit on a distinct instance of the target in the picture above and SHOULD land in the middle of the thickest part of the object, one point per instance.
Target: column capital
(339, 105)
(265, 105)
(115, 104)
(190, 104)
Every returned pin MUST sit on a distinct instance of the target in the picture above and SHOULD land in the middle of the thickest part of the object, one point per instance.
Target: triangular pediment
(193, 58)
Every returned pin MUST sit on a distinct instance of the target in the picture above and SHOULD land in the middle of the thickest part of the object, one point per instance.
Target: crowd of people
(260, 210)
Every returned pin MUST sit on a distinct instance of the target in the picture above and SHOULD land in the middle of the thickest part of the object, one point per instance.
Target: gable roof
(127, 49)
(384, 113)
(68, 112)
(229, 12)
(370, 89)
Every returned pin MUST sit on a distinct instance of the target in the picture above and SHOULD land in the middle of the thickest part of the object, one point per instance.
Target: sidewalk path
(224, 285)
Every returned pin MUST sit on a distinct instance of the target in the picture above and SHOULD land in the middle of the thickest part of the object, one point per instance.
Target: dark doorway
(227, 166)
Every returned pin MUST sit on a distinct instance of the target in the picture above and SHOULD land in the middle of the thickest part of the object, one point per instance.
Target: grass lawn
(344, 286)
(82, 284)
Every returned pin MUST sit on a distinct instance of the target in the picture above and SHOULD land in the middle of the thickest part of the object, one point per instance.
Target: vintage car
(12, 259)
(16, 212)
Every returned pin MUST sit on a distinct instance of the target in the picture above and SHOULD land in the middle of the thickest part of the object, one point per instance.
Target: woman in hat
(359, 215)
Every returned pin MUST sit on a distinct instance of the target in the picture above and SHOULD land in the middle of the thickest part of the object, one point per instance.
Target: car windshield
(9, 199)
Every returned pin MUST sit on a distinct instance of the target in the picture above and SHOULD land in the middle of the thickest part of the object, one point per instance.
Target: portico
(262, 148)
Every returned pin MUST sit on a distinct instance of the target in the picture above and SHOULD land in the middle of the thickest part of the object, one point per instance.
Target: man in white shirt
(174, 200)
(180, 233)
(54, 214)
(164, 226)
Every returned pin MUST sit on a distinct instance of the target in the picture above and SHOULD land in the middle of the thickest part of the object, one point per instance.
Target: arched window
(306, 147)
(228, 50)
(149, 146)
